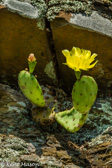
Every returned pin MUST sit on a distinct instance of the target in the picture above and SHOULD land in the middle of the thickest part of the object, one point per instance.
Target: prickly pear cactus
(31, 88)
(71, 119)
(84, 94)
(84, 90)
(46, 115)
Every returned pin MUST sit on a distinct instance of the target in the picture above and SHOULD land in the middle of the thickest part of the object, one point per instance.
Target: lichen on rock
(24, 141)
(41, 6)
(12, 148)
(55, 7)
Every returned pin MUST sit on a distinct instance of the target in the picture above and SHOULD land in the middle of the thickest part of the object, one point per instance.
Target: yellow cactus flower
(79, 59)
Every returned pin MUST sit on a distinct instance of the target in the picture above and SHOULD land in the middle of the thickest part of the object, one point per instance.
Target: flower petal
(94, 55)
(71, 62)
(92, 65)
(77, 51)
(66, 53)
(72, 52)
(92, 58)
(87, 54)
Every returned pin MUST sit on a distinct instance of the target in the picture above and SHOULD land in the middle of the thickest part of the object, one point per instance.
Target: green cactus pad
(84, 94)
(31, 88)
(71, 120)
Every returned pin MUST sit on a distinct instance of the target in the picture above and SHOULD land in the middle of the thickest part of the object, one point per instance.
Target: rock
(30, 160)
(99, 119)
(22, 140)
(56, 8)
(95, 22)
(19, 37)
(11, 148)
(55, 147)
(44, 26)
(108, 131)
(25, 143)
(22, 8)
(29, 1)
(12, 103)
(99, 151)
(92, 32)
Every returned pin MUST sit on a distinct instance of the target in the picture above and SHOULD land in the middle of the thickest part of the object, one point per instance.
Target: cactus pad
(71, 120)
(84, 94)
(31, 88)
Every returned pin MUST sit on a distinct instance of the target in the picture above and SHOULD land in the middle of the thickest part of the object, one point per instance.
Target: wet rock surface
(25, 143)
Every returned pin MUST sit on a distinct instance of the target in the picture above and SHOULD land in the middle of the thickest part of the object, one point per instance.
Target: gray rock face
(29, 1)
(95, 22)
(23, 8)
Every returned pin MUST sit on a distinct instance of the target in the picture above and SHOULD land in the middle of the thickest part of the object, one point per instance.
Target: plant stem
(78, 74)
